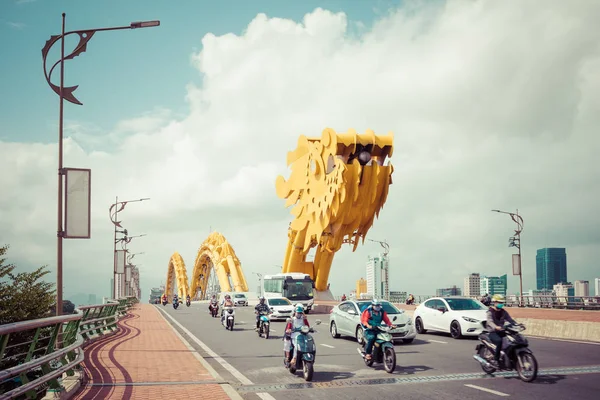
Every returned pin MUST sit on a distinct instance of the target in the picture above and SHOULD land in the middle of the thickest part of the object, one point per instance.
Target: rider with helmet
(371, 318)
(497, 316)
(295, 323)
(260, 307)
(227, 302)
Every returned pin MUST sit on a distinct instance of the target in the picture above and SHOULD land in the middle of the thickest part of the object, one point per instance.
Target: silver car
(345, 320)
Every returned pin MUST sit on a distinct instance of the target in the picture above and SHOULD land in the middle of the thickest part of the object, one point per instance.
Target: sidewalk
(145, 360)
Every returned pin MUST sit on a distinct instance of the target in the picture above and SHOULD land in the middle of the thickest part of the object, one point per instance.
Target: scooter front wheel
(308, 371)
(389, 360)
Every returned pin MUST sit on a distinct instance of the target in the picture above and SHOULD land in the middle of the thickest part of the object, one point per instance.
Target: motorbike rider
(164, 298)
(188, 299)
(497, 316)
(213, 302)
(297, 322)
(370, 319)
(260, 307)
(175, 298)
(227, 302)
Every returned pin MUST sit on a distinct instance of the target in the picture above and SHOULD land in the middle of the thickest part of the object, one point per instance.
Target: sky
(493, 105)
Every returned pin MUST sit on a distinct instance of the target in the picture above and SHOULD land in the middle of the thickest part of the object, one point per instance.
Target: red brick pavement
(145, 349)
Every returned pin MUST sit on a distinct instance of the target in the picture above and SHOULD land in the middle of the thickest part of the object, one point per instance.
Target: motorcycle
(307, 350)
(515, 353)
(214, 310)
(264, 325)
(164, 302)
(188, 303)
(227, 319)
(383, 349)
(175, 304)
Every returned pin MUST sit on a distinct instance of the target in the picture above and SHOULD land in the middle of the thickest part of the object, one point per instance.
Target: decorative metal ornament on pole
(515, 241)
(77, 214)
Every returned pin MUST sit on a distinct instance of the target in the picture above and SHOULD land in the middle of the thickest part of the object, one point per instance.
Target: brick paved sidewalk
(145, 350)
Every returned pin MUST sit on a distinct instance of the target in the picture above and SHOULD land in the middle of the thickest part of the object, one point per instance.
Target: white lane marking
(436, 341)
(327, 345)
(233, 394)
(487, 390)
(237, 374)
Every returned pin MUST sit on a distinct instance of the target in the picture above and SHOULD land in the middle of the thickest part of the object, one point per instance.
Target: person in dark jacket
(497, 316)
(260, 307)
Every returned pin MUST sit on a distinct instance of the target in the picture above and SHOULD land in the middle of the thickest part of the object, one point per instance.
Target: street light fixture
(66, 93)
(515, 241)
(118, 206)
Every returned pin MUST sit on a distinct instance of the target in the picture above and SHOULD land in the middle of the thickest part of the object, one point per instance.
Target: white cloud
(493, 105)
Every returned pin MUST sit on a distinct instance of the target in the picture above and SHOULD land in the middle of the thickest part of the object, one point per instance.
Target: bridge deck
(146, 359)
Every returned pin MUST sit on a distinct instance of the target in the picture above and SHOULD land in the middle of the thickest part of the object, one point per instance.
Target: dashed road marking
(437, 341)
(328, 345)
(497, 393)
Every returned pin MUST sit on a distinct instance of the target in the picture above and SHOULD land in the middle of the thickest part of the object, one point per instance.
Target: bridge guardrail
(34, 355)
(536, 301)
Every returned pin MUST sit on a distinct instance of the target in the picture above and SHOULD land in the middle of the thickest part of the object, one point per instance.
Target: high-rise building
(472, 285)
(377, 277)
(597, 286)
(582, 288)
(493, 285)
(551, 267)
(112, 288)
(91, 299)
(453, 291)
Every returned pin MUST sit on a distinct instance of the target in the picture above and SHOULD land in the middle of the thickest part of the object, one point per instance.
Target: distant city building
(563, 291)
(597, 286)
(582, 288)
(551, 267)
(493, 285)
(112, 288)
(472, 286)
(91, 299)
(361, 287)
(453, 291)
(538, 297)
(377, 277)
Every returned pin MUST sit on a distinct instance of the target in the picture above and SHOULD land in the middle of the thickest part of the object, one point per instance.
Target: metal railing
(546, 301)
(34, 355)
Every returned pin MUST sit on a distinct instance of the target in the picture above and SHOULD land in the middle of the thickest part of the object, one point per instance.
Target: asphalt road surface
(434, 366)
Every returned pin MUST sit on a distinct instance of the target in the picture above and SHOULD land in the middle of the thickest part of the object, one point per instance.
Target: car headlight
(409, 322)
(470, 319)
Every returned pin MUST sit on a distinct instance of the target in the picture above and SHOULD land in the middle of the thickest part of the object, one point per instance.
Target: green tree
(25, 295)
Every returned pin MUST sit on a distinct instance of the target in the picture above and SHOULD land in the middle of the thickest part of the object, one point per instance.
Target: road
(442, 367)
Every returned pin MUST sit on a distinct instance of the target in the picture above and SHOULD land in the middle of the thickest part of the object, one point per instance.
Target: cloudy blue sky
(493, 105)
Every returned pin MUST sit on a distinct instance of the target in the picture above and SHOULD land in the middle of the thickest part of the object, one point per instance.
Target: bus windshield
(299, 290)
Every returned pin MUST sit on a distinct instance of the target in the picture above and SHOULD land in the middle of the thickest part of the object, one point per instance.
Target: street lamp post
(113, 218)
(515, 241)
(123, 275)
(260, 276)
(66, 93)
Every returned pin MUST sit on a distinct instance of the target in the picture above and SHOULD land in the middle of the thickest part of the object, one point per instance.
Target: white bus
(296, 287)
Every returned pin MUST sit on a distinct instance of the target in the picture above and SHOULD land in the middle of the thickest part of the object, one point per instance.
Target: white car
(344, 319)
(459, 316)
(281, 308)
(239, 299)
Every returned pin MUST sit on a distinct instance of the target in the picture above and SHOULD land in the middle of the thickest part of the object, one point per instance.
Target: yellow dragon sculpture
(338, 185)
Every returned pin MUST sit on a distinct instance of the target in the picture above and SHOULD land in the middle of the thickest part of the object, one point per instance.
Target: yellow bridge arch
(215, 261)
